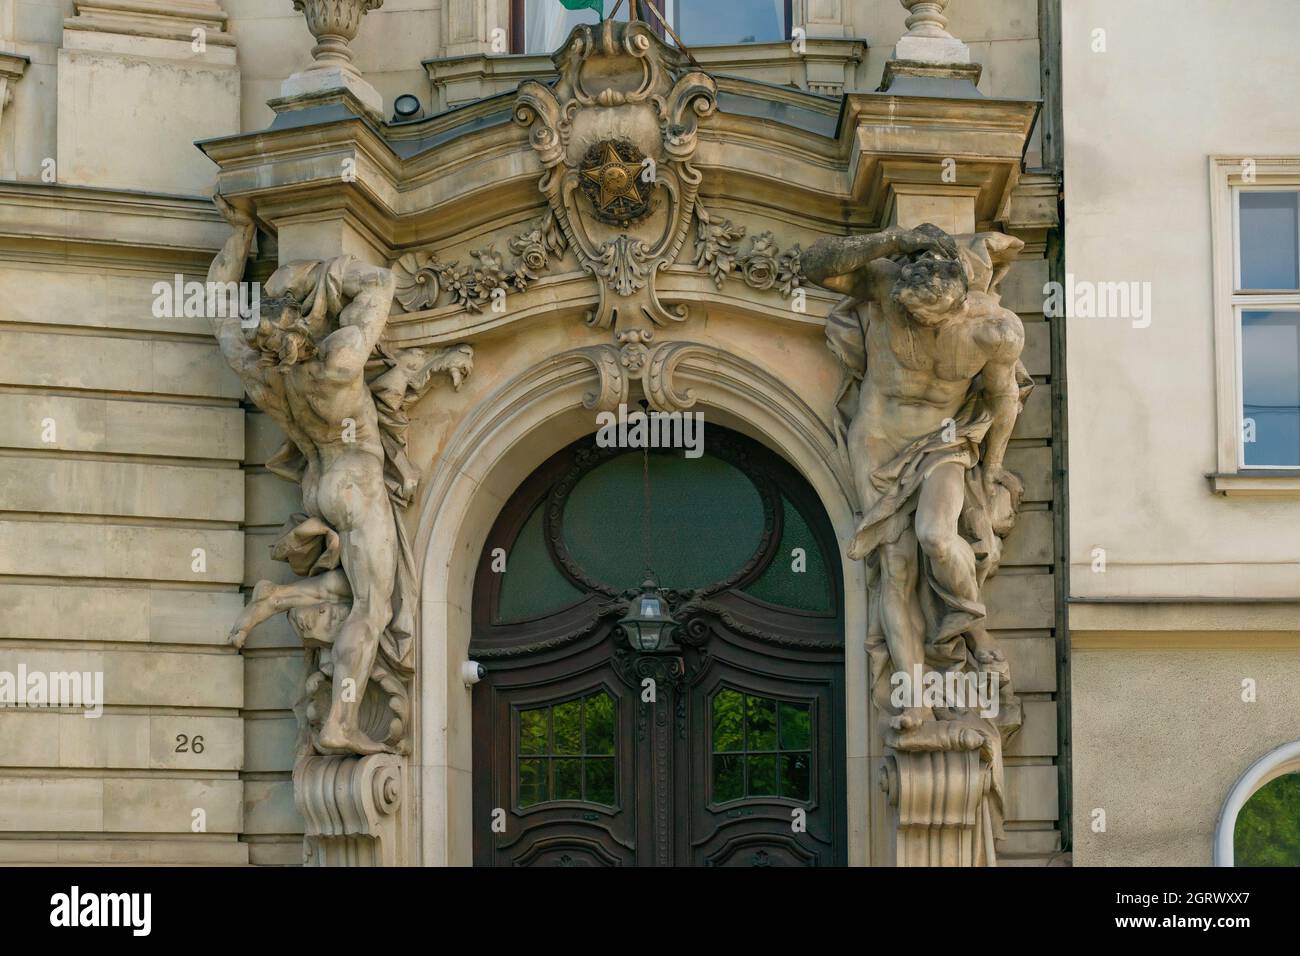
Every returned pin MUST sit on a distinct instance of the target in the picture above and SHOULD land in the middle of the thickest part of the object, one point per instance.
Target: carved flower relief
(759, 264)
(763, 265)
(422, 279)
(717, 246)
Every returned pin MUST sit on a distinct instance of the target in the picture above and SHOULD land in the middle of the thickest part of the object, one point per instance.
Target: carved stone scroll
(352, 809)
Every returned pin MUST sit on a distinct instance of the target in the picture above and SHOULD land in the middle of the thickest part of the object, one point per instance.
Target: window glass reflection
(718, 22)
(1270, 373)
(761, 747)
(566, 752)
(1270, 240)
(547, 24)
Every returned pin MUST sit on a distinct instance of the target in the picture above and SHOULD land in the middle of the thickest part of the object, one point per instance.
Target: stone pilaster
(174, 62)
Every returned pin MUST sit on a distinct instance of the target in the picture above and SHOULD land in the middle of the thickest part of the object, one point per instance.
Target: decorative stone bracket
(352, 809)
(940, 807)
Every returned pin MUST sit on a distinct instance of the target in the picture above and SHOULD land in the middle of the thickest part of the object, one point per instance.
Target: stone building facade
(529, 236)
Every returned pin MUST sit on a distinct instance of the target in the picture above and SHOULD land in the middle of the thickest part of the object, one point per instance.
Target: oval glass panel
(706, 521)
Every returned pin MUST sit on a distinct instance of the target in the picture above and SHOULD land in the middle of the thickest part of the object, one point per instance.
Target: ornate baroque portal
(616, 264)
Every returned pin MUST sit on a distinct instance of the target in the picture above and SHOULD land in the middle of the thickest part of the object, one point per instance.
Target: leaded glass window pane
(565, 751)
(762, 747)
(796, 580)
(706, 521)
(531, 585)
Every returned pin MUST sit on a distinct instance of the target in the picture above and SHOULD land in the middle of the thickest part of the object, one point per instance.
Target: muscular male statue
(941, 386)
(304, 363)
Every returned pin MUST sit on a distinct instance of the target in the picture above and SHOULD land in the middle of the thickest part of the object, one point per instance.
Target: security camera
(471, 672)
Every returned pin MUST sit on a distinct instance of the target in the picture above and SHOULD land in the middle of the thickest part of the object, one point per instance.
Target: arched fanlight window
(1259, 824)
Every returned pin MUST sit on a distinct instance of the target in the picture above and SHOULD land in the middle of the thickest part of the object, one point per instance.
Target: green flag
(597, 5)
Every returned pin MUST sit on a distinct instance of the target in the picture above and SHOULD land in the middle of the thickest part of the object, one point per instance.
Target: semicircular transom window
(706, 521)
(1267, 832)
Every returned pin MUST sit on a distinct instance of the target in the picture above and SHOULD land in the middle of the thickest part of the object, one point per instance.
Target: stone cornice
(94, 226)
(425, 182)
(161, 19)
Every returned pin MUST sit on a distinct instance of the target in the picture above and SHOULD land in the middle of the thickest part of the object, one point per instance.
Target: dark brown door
(726, 751)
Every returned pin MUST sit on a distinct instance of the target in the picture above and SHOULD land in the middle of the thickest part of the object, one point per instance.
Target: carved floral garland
(763, 265)
(423, 279)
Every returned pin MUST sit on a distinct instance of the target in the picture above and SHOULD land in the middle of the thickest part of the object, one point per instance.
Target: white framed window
(1256, 227)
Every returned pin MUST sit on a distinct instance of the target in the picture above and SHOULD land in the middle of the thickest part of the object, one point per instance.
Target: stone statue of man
(303, 361)
(935, 363)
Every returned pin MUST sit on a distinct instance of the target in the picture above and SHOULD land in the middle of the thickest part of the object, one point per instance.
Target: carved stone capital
(352, 809)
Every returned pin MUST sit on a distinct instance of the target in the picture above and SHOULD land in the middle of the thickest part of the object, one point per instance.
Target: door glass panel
(762, 747)
(706, 521)
(600, 724)
(760, 723)
(565, 751)
(533, 732)
(531, 585)
(728, 721)
(532, 782)
(599, 773)
(568, 728)
(796, 726)
(728, 777)
(803, 585)
(796, 776)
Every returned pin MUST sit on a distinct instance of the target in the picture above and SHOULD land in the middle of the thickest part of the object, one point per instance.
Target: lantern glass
(648, 623)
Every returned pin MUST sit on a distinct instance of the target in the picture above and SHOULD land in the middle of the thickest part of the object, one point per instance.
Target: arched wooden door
(730, 752)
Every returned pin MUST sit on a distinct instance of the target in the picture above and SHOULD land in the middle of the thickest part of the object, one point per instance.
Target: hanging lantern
(649, 625)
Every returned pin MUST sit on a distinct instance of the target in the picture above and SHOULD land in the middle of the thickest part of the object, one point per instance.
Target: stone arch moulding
(489, 454)
(1274, 764)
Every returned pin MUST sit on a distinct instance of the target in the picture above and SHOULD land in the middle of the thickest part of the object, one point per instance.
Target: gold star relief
(616, 179)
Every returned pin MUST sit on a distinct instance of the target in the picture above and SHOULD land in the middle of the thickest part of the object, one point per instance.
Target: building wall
(157, 453)
(1199, 591)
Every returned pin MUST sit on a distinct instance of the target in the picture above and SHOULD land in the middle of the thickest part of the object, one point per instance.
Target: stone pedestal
(939, 801)
(332, 77)
(352, 808)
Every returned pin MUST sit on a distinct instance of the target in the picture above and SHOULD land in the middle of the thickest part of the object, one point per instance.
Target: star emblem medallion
(611, 177)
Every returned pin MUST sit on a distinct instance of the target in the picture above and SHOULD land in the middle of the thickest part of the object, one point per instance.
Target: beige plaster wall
(1161, 733)
(1141, 122)
(1177, 620)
